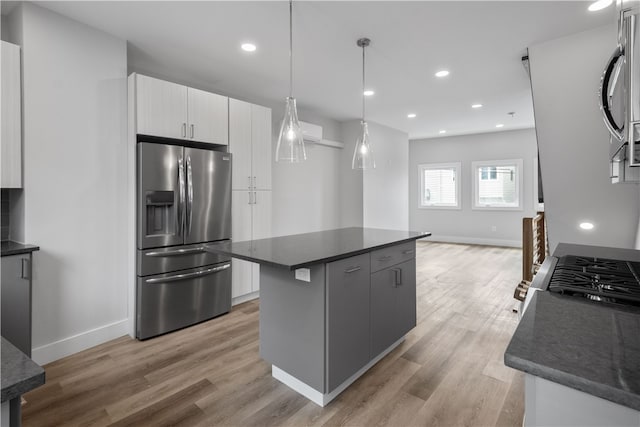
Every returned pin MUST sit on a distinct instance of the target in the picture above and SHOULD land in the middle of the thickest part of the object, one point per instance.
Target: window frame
(457, 166)
(519, 184)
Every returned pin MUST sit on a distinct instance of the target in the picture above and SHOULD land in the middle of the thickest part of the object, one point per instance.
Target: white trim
(317, 397)
(131, 205)
(244, 298)
(519, 184)
(457, 166)
(538, 207)
(473, 241)
(67, 346)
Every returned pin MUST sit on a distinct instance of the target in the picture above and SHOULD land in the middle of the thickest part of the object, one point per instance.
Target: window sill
(437, 207)
(497, 208)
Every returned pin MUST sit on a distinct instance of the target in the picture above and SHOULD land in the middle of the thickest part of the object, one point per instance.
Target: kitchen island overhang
(332, 303)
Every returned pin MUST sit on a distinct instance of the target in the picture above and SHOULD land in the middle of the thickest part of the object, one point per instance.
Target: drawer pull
(352, 269)
(385, 258)
(408, 252)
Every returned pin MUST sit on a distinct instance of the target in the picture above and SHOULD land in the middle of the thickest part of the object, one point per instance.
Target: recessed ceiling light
(476, 106)
(411, 115)
(586, 225)
(248, 47)
(442, 131)
(368, 92)
(442, 73)
(599, 5)
(499, 125)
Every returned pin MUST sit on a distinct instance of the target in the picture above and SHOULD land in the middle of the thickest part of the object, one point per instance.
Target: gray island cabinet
(332, 303)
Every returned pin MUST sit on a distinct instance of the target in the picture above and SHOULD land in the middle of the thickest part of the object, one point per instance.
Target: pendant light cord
(290, 48)
(363, 82)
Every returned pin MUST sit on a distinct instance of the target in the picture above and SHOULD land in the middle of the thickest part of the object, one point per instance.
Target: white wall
(75, 161)
(574, 143)
(467, 225)
(305, 195)
(386, 188)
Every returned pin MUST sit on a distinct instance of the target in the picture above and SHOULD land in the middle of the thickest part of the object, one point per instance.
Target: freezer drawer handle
(186, 276)
(177, 252)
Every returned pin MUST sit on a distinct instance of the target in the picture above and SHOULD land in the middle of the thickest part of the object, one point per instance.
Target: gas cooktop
(597, 279)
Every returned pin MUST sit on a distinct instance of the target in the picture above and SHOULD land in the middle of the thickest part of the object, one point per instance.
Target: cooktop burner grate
(597, 279)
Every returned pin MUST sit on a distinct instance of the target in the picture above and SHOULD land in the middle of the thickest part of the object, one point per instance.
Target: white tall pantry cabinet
(250, 144)
(11, 138)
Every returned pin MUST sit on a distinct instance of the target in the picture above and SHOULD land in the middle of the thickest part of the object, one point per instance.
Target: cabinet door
(161, 108)
(262, 216)
(240, 144)
(16, 301)
(241, 228)
(208, 117)
(11, 151)
(348, 329)
(261, 147)
(393, 305)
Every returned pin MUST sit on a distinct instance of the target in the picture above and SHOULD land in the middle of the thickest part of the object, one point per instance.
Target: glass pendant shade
(362, 155)
(290, 147)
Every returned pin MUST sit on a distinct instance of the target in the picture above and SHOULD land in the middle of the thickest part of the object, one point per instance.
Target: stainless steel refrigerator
(183, 202)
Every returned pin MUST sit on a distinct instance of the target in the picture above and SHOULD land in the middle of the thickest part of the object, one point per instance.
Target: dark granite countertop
(591, 347)
(9, 247)
(19, 373)
(303, 250)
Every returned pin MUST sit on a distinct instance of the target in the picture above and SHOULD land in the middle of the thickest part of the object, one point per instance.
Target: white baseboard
(323, 399)
(245, 298)
(473, 241)
(82, 341)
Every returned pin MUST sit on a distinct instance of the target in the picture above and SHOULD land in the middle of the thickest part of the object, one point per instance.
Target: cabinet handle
(254, 183)
(184, 130)
(191, 130)
(353, 269)
(385, 258)
(250, 202)
(255, 198)
(408, 252)
(250, 184)
(26, 269)
(397, 277)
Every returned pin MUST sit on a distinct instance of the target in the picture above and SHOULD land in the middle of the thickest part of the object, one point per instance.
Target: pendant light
(362, 155)
(290, 147)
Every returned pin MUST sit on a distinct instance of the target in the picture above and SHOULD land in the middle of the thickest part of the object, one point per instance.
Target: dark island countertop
(591, 347)
(9, 247)
(19, 373)
(303, 250)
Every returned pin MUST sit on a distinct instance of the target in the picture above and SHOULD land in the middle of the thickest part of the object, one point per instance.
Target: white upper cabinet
(240, 144)
(161, 108)
(11, 142)
(171, 110)
(250, 143)
(208, 115)
(261, 147)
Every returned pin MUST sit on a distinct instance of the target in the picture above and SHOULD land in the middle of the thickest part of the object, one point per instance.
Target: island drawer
(392, 255)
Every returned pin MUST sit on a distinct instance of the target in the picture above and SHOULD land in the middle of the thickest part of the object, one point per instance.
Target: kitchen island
(332, 303)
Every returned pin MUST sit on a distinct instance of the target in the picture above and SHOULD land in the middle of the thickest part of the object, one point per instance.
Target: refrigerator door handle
(181, 197)
(189, 195)
(186, 276)
(606, 89)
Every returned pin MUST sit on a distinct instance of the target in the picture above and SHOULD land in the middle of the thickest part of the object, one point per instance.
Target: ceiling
(480, 42)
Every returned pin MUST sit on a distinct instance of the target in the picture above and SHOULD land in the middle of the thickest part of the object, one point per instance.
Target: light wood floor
(448, 372)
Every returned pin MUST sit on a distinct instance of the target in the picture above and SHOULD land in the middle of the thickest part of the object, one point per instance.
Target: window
(497, 184)
(440, 185)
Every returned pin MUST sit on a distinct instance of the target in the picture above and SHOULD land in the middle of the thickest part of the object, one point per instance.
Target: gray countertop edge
(9, 247)
(20, 374)
(324, 260)
(611, 394)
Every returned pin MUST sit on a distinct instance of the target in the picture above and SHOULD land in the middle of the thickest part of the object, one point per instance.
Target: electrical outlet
(494, 228)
